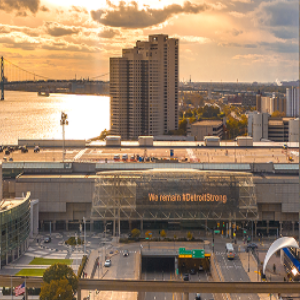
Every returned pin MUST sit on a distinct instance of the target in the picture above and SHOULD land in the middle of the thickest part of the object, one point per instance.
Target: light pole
(63, 122)
(84, 237)
(109, 223)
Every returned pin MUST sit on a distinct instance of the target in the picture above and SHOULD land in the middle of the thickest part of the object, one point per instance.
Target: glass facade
(174, 194)
(15, 229)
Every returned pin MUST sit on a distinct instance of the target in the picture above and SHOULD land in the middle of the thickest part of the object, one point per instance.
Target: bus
(229, 251)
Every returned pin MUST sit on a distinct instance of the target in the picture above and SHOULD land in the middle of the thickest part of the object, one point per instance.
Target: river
(25, 115)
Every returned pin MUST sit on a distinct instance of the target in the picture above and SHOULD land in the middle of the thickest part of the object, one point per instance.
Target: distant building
(269, 105)
(144, 88)
(261, 126)
(292, 102)
(207, 128)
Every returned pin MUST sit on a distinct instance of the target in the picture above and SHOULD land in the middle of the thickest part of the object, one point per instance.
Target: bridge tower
(2, 78)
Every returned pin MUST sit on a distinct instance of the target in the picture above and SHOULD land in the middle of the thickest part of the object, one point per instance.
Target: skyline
(244, 40)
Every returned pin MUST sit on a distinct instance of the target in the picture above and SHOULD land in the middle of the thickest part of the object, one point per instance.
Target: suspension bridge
(15, 78)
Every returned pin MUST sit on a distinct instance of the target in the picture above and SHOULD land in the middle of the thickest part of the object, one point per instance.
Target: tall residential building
(144, 88)
(292, 102)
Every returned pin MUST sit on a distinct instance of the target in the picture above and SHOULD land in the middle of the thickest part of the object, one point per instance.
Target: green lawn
(49, 261)
(31, 272)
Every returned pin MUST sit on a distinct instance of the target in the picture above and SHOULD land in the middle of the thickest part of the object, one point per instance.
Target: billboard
(187, 194)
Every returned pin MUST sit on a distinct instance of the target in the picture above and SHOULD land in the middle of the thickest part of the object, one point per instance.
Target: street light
(109, 223)
(84, 237)
(63, 122)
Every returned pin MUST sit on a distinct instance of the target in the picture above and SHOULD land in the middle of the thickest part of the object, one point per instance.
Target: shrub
(189, 235)
(81, 267)
(163, 234)
(72, 241)
(135, 233)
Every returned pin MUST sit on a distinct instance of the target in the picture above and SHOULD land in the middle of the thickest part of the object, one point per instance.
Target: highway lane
(233, 271)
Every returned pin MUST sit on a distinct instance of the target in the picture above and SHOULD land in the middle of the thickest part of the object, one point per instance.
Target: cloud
(57, 30)
(129, 16)
(279, 47)
(108, 33)
(278, 13)
(243, 1)
(237, 45)
(237, 14)
(44, 8)
(285, 32)
(78, 9)
(192, 39)
(10, 5)
(236, 32)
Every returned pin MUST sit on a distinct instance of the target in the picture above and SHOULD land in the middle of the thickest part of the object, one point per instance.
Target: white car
(107, 263)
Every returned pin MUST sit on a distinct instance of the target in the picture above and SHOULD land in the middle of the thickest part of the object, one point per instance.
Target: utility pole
(2, 78)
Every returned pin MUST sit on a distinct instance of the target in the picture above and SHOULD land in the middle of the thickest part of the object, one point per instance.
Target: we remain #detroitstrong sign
(187, 195)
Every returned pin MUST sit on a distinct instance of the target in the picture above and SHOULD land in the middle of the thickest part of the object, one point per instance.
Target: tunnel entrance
(158, 264)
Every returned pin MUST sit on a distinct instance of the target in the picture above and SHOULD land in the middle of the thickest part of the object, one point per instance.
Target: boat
(43, 94)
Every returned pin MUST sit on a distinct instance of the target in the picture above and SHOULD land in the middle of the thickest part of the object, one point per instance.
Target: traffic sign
(199, 253)
(245, 231)
(217, 231)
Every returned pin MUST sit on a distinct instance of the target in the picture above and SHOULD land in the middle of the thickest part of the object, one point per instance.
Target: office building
(262, 127)
(206, 128)
(144, 88)
(292, 102)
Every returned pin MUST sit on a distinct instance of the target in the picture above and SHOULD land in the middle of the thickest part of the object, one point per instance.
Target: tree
(56, 290)
(277, 114)
(189, 235)
(148, 234)
(135, 233)
(163, 234)
(59, 272)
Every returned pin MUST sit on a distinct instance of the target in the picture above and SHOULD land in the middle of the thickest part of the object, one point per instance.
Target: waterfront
(27, 116)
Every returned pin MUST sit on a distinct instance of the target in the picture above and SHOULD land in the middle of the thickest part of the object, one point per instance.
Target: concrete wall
(52, 143)
(70, 197)
(277, 197)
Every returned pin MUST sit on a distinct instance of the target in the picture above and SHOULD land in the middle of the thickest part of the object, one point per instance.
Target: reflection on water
(27, 116)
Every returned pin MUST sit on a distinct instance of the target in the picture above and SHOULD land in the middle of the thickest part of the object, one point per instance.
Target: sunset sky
(226, 40)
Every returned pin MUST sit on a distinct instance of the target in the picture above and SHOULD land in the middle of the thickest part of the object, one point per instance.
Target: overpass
(164, 286)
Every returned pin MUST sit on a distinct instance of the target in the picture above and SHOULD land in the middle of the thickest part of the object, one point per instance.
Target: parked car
(125, 252)
(10, 159)
(125, 157)
(4, 159)
(36, 149)
(107, 263)
(132, 159)
(47, 239)
(200, 269)
(24, 149)
(7, 152)
(186, 277)
(117, 158)
(251, 246)
(198, 296)
(1, 149)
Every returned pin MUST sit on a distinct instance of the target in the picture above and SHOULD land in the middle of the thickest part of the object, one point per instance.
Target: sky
(226, 40)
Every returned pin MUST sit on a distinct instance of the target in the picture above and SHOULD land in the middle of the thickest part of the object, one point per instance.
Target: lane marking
(80, 153)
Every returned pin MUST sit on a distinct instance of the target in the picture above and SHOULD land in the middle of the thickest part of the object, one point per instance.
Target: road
(201, 277)
(232, 270)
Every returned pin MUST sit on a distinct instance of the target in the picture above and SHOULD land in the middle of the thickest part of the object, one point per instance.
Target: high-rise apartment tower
(144, 88)
(292, 102)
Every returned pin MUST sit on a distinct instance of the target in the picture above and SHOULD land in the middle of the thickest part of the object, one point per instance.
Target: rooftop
(208, 122)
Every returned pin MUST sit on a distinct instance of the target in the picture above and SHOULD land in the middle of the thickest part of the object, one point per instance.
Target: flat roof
(276, 122)
(208, 122)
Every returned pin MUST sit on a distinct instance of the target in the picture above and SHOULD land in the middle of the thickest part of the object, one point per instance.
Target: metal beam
(2, 78)
(166, 286)
(189, 287)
